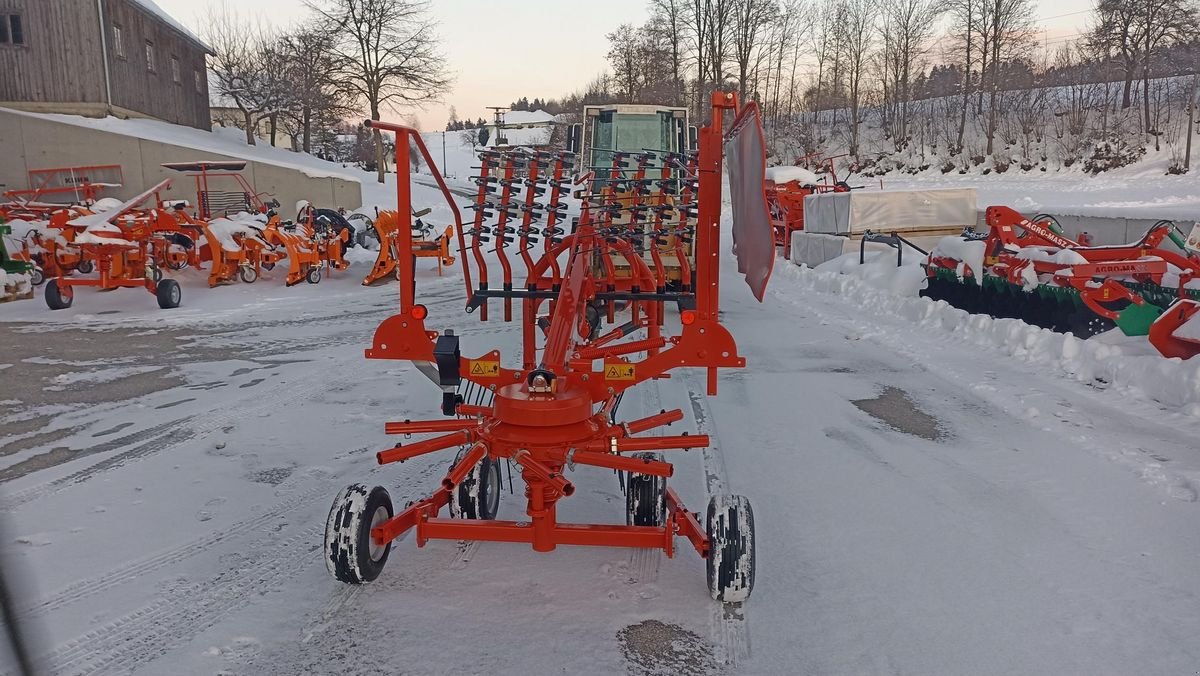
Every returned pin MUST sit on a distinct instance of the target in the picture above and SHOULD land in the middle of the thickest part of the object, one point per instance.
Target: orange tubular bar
(610, 461)
(686, 523)
(460, 471)
(653, 421)
(645, 537)
(425, 426)
(472, 410)
(649, 443)
(402, 453)
(555, 480)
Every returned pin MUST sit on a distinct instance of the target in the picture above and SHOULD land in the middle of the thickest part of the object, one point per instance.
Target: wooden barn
(99, 57)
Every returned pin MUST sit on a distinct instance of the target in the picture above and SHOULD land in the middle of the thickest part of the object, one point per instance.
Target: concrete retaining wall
(32, 143)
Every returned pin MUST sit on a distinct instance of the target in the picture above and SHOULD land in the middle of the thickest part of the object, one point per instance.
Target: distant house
(126, 58)
(224, 112)
(522, 128)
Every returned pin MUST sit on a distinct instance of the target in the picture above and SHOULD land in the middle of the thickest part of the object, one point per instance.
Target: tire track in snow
(171, 435)
(182, 613)
(644, 563)
(727, 621)
(90, 587)
(135, 639)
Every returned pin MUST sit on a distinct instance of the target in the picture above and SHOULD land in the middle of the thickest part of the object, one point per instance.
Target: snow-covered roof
(222, 141)
(527, 117)
(153, 8)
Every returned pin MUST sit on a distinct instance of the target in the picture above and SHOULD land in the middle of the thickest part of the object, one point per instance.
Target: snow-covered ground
(926, 501)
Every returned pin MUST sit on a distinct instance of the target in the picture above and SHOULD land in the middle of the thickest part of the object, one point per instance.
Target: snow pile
(1189, 330)
(22, 229)
(1115, 362)
(20, 284)
(968, 251)
(1051, 255)
(106, 204)
(786, 174)
(880, 271)
(226, 229)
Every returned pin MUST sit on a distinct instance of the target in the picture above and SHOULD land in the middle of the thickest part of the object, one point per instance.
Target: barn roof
(153, 9)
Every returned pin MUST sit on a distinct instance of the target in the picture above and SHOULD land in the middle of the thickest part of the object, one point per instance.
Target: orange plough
(387, 226)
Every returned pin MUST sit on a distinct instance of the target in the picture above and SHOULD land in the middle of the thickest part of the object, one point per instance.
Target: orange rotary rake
(557, 410)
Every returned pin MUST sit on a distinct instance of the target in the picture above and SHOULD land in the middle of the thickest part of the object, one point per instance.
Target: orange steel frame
(556, 410)
(39, 186)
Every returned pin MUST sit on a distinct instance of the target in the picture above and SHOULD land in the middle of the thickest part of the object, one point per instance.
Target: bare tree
(906, 27)
(388, 55)
(858, 33)
(310, 69)
(1008, 24)
(669, 14)
(1162, 22)
(1115, 33)
(243, 68)
(965, 16)
(624, 57)
(750, 19)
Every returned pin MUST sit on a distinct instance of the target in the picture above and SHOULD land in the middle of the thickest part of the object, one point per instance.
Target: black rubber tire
(168, 293)
(313, 276)
(37, 277)
(645, 497)
(478, 496)
(55, 298)
(85, 267)
(247, 274)
(730, 563)
(348, 555)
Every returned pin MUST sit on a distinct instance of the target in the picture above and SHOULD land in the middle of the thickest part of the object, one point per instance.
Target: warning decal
(619, 372)
(486, 369)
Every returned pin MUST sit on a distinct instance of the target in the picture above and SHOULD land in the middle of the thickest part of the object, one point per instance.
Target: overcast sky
(500, 51)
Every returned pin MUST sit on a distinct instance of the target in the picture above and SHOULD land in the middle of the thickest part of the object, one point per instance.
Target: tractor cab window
(631, 133)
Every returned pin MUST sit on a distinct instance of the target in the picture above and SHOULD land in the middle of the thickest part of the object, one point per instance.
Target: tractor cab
(629, 129)
(639, 162)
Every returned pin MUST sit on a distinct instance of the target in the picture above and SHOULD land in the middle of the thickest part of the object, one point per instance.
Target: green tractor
(11, 266)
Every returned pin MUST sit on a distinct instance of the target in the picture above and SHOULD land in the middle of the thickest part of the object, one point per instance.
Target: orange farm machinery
(786, 188)
(127, 245)
(557, 408)
(427, 242)
(1028, 269)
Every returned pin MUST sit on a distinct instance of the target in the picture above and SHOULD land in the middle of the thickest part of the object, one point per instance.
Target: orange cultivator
(424, 245)
(558, 409)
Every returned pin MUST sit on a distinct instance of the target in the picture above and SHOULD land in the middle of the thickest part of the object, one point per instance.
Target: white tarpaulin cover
(889, 210)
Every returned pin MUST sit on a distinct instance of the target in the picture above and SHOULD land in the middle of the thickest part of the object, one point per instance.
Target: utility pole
(443, 154)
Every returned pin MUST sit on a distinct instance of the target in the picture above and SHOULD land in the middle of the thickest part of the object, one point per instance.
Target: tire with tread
(313, 276)
(349, 553)
(55, 298)
(247, 274)
(169, 293)
(85, 267)
(730, 562)
(37, 277)
(478, 496)
(645, 497)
